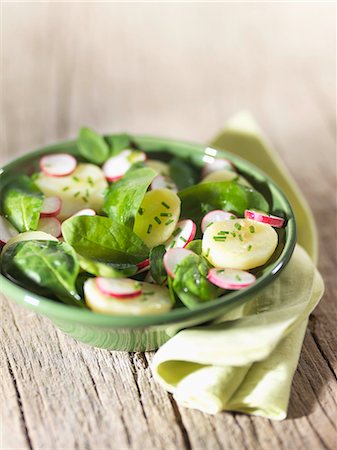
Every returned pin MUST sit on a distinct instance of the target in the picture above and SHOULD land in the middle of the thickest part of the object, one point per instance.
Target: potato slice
(239, 244)
(154, 300)
(157, 216)
(82, 189)
(225, 175)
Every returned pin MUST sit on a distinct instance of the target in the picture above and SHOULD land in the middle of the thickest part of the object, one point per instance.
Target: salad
(120, 233)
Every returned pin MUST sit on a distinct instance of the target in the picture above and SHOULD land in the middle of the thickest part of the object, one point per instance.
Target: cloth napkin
(246, 360)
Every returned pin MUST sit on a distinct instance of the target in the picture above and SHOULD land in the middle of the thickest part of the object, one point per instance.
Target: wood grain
(174, 69)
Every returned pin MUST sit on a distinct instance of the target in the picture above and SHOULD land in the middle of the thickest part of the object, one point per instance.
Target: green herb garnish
(157, 220)
(252, 229)
(149, 228)
(237, 226)
(166, 205)
(169, 221)
(176, 231)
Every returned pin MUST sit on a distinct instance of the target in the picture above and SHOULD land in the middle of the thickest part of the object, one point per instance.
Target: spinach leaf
(44, 266)
(22, 203)
(183, 173)
(195, 246)
(231, 196)
(157, 268)
(190, 282)
(118, 142)
(104, 240)
(124, 197)
(107, 269)
(92, 146)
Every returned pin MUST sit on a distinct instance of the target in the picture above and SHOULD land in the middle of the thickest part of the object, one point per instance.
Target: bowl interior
(162, 148)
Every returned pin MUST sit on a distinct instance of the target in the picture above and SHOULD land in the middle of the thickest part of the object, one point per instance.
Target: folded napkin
(246, 360)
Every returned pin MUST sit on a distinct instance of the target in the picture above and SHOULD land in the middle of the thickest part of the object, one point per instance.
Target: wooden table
(179, 70)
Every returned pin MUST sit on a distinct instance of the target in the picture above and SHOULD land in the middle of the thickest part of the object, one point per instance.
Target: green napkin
(246, 361)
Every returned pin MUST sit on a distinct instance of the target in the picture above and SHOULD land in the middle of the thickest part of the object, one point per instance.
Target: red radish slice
(259, 216)
(173, 257)
(122, 288)
(163, 182)
(58, 164)
(230, 279)
(182, 235)
(215, 216)
(85, 212)
(116, 166)
(50, 225)
(7, 231)
(214, 165)
(51, 206)
(143, 265)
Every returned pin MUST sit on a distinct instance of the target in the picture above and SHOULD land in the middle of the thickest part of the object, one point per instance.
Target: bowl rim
(51, 308)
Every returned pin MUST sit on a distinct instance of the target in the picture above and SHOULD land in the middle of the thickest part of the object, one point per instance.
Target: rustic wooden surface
(177, 70)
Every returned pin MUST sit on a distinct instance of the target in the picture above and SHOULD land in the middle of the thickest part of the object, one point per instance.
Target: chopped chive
(223, 232)
(65, 188)
(183, 239)
(240, 237)
(238, 277)
(85, 199)
(207, 253)
(219, 238)
(77, 194)
(233, 233)
(249, 248)
(141, 211)
(173, 243)
(166, 205)
(157, 220)
(211, 223)
(90, 181)
(165, 214)
(136, 285)
(252, 229)
(76, 178)
(237, 226)
(148, 293)
(232, 218)
(87, 193)
(220, 271)
(169, 221)
(176, 231)
(149, 228)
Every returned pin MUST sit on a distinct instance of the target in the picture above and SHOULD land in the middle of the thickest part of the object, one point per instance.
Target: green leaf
(22, 203)
(104, 240)
(106, 269)
(157, 268)
(190, 282)
(183, 173)
(92, 146)
(46, 267)
(233, 197)
(125, 196)
(195, 246)
(118, 142)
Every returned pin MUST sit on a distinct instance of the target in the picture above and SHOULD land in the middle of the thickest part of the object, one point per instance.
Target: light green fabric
(247, 360)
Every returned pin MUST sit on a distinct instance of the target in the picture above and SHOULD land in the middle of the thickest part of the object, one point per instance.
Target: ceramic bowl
(149, 332)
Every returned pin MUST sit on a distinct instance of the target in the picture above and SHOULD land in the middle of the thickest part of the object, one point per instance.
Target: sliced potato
(239, 244)
(29, 236)
(82, 189)
(154, 300)
(225, 175)
(157, 216)
(159, 166)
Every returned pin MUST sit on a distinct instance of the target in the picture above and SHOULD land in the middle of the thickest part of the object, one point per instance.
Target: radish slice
(173, 257)
(85, 212)
(116, 166)
(259, 216)
(51, 206)
(230, 279)
(182, 235)
(122, 288)
(143, 265)
(213, 165)
(215, 216)
(58, 164)
(50, 225)
(163, 182)
(7, 231)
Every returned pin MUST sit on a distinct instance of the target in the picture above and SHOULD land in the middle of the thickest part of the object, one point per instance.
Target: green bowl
(149, 332)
